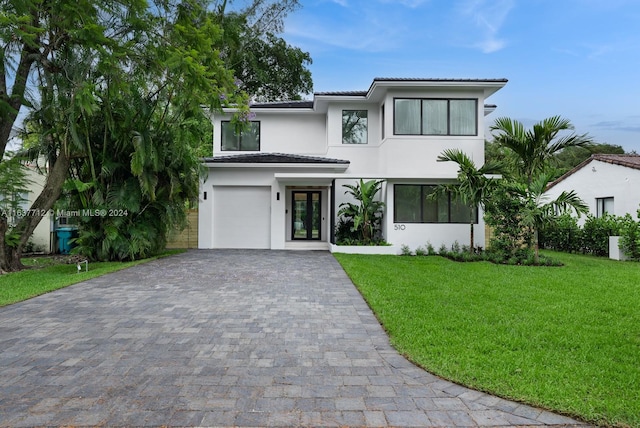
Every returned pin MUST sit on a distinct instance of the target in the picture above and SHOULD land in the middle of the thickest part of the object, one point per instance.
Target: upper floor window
(247, 139)
(435, 116)
(604, 206)
(354, 127)
(413, 204)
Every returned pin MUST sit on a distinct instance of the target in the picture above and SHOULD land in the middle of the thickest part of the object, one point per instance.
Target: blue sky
(576, 58)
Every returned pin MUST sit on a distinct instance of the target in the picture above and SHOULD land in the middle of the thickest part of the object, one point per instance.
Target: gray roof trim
(262, 158)
(343, 93)
(301, 104)
(417, 79)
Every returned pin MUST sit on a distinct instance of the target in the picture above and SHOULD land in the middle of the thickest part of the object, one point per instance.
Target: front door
(306, 215)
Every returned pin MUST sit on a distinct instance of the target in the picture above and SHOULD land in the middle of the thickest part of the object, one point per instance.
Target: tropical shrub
(365, 215)
(630, 237)
(405, 250)
(345, 233)
(596, 232)
(563, 234)
(510, 235)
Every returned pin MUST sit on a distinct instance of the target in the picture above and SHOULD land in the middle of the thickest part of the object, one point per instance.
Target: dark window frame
(367, 126)
(600, 206)
(308, 221)
(238, 137)
(423, 195)
(448, 134)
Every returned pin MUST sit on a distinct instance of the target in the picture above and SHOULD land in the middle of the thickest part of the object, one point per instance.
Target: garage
(241, 217)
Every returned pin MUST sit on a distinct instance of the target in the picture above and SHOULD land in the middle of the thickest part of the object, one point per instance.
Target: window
(354, 127)
(412, 204)
(435, 116)
(246, 139)
(604, 206)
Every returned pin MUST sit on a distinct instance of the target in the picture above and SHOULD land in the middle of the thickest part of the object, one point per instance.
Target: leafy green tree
(40, 41)
(14, 184)
(109, 57)
(573, 156)
(532, 151)
(474, 186)
(366, 213)
(143, 168)
(268, 68)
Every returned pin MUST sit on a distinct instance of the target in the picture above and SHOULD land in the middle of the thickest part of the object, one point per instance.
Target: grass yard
(44, 277)
(563, 338)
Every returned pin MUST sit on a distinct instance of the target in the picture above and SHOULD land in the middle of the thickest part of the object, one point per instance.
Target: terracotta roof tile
(627, 160)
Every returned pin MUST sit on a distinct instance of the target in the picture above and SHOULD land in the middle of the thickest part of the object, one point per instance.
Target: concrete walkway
(223, 338)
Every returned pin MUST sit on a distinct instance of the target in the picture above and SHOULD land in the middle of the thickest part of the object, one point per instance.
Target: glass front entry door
(306, 215)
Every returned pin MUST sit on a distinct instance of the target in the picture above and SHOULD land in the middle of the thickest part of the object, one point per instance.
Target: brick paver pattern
(224, 338)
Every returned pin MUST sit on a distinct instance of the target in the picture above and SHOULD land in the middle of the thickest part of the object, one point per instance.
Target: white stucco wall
(417, 235)
(397, 158)
(599, 179)
(302, 133)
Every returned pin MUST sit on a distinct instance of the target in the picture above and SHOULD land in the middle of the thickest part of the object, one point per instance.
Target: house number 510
(399, 227)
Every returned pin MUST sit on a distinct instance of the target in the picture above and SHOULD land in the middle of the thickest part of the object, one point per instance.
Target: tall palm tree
(534, 149)
(474, 184)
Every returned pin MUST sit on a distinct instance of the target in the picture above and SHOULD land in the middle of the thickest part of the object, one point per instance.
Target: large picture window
(432, 116)
(413, 204)
(354, 127)
(246, 140)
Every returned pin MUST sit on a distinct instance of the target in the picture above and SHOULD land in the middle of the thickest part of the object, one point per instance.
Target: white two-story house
(279, 183)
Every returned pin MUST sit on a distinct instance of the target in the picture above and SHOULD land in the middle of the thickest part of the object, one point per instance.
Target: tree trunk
(8, 262)
(10, 255)
(471, 237)
(535, 247)
(16, 99)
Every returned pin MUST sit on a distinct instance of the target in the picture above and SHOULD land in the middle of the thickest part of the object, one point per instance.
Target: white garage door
(241, 217)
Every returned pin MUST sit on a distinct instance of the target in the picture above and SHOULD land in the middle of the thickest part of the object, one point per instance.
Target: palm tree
(538, 210)
(534, 149)
(474, 184)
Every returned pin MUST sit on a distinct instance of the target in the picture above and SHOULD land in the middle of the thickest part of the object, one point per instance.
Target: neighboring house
(279, 184)
(43, 240)
(606, 183)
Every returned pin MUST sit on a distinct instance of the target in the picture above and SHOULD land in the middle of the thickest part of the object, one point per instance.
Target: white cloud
(488, 16)
(342, 3)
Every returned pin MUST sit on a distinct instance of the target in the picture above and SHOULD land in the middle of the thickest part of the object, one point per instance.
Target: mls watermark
(85, 212)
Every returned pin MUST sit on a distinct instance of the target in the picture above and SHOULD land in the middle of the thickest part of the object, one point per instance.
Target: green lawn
(563, 338)
(23, 285)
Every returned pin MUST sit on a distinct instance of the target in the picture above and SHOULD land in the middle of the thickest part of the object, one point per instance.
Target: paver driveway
(246, 338)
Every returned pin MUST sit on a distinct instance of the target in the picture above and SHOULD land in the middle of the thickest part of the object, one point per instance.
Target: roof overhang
(276, 160)
(376, 93)
(285, 177)
(380, 85)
